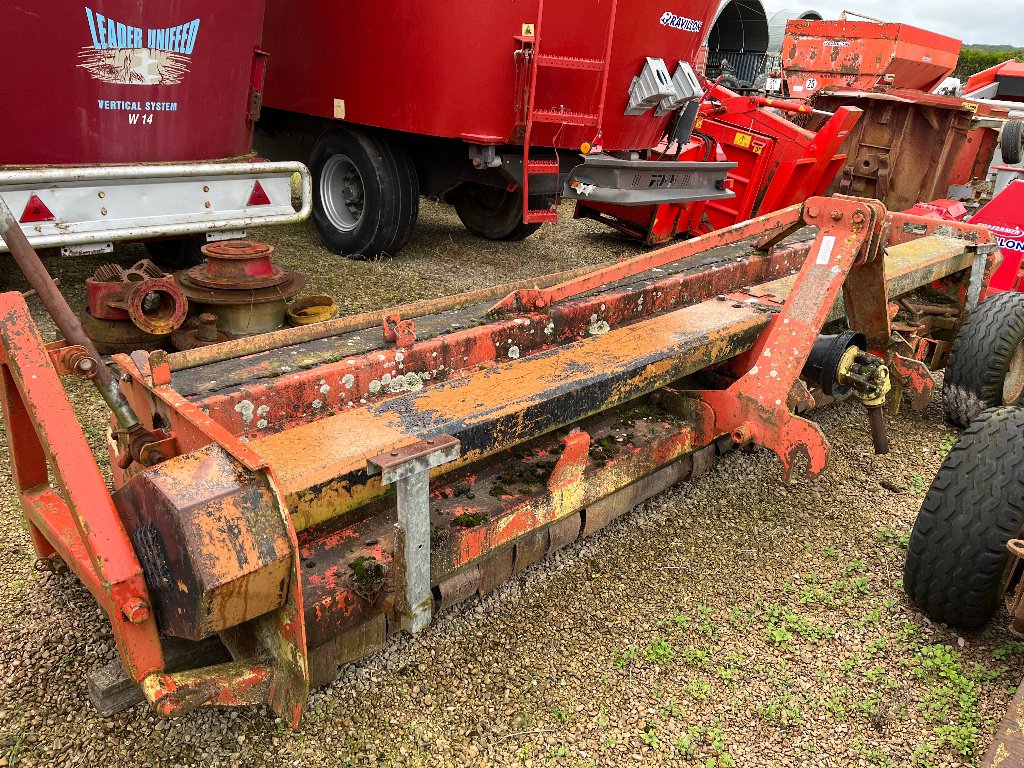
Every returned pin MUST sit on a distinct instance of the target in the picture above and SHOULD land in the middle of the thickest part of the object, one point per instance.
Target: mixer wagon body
(448, 69)
(487, 103)
(129, 119)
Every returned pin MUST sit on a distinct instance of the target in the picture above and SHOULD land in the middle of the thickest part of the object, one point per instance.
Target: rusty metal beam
(321, 464)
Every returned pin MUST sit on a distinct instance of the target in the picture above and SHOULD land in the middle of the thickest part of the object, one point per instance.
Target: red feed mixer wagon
(131, 120)
(501, 108)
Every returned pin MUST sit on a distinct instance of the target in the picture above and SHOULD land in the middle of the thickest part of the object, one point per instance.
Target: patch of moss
(470, 519)
(366, 569)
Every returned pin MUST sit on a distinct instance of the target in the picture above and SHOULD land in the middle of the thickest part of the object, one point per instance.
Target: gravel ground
(733, 620)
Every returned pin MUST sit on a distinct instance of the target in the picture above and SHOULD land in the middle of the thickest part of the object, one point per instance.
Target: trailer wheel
(182, 253)
(366, 193)
(957, 557)
(1011, 142)
(493, 213)
(986, 364)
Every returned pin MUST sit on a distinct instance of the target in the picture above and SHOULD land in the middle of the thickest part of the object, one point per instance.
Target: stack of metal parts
(134, 308)
(236, 292)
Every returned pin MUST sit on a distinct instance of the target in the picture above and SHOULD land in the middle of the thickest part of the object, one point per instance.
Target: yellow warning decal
(971, 105)
(742, 139)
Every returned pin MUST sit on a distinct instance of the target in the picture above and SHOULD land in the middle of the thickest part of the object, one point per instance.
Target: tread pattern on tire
(957, 552)
(506, 225)
(980, 357)
(1010, 141)
(389, 221)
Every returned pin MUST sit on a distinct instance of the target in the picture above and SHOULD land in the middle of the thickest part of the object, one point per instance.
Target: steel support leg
(409, 469)
(414, 520)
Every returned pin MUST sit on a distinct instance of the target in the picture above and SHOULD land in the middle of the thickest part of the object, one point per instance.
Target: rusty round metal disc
(292, 284)
(238, 265)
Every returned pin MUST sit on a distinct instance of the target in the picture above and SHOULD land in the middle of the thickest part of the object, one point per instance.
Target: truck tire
(182, 253)
(957, 554)
(1011, 142)
(986, 364)
(493, 213)
(366, 194)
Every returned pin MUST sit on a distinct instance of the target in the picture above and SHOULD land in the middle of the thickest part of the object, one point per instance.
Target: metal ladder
(557, 116)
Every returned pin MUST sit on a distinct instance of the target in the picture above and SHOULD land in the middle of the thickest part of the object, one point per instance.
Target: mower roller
(301, 495)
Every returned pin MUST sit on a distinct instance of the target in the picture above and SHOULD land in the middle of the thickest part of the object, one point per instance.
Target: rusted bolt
(540, 303)
(85, 365)
(207, 330)
(126, 378)
(135, 609)
(207, 204)
(836, 215)
(430, 441)
(206, 189)
(102, 194)
(858, 217)
(155, 457)
(813, 211)
(740, 435)
(394, 453)
(103, 211)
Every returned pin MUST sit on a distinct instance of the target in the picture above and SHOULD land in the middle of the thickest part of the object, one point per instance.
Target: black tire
(171, 255)
(957, 556)
(366, 194)
(986, 364)
(1011, 142)
(493, 213)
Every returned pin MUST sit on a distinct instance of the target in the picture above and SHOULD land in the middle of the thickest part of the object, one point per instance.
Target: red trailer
(503, 108)
(135, 122)
(858, 54)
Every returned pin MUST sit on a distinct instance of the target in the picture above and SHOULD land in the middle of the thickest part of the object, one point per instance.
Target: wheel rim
(342, 193)
(1013, 383)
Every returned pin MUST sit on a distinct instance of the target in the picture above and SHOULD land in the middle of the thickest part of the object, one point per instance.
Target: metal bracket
(913, 375)
(979, 269)
(71, 360)
(652, 86)
(401, 333)
(1013, 591)
(409, 467)
(758, 406)
(571, 464)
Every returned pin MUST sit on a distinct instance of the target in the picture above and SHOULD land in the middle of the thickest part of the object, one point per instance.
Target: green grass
(659, 651)
(623, 657)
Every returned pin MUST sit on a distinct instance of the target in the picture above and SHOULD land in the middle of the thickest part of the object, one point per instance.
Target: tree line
(974, 59)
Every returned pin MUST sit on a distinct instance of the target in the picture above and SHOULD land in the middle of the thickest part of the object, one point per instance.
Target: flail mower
(290, 499)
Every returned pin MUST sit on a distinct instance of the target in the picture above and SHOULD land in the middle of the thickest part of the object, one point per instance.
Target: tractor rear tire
(986, 364)
(493, 213)
(366, 194)
(957, 556)
(1011, 142)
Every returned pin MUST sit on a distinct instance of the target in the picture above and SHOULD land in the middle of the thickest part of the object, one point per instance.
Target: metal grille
(747, 66)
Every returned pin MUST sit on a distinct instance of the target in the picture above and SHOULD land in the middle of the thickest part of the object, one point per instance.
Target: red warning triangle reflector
(258, 196)
(36, 210)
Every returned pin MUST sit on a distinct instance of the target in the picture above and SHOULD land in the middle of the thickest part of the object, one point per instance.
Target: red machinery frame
(778, 164)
